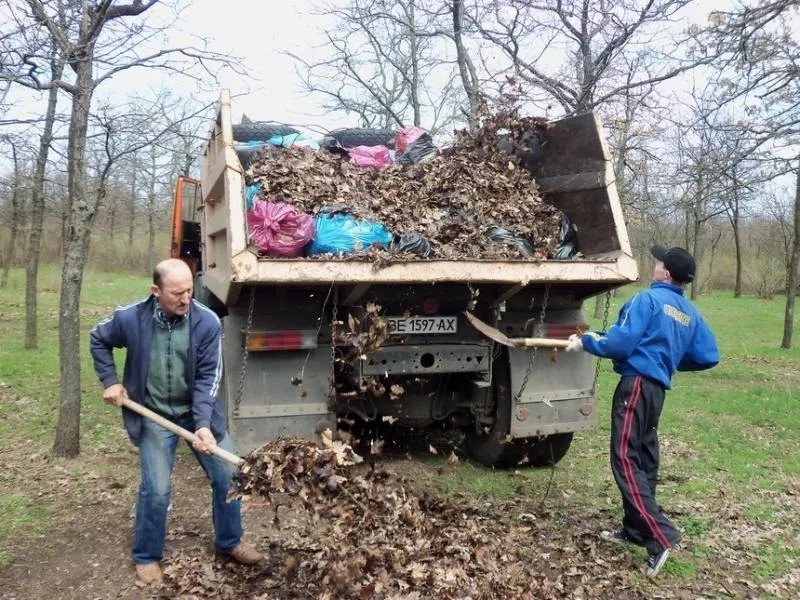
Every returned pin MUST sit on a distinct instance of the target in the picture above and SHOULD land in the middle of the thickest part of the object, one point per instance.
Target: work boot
(149, 573)
(245, 553)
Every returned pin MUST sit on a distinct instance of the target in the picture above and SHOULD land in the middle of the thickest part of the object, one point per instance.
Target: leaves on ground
(369, 535)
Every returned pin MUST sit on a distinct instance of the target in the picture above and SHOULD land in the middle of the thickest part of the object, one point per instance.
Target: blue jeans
(157, 456)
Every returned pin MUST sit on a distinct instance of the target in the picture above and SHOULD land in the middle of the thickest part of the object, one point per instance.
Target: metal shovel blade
(498, 336)
(490, 332)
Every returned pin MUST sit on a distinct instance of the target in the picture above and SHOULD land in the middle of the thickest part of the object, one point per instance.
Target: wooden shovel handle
(542, 342)
(178, 430)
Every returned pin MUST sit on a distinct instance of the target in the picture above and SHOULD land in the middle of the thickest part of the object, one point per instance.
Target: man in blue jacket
(173, 366)
(658, 332)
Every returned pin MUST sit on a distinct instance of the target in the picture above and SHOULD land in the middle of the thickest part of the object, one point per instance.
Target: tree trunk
(696, 253)
(112, 217)
(791, 283)
(81, 214)
(16, 217)
(413, 40)
(737, 244)
(132, 216)
(151, 216)
(33, 251)
(466, 69)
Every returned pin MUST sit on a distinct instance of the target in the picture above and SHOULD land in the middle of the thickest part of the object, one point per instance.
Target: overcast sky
(259, 31)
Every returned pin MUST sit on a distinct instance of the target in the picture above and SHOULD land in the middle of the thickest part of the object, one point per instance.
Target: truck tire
(492, 449)
(260, 131)
(548, 451)
(357, 136)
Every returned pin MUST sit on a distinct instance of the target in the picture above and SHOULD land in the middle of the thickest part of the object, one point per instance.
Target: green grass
(729, 441)
(30, 379)
(729, 436)
(21, 519)
(775, 558)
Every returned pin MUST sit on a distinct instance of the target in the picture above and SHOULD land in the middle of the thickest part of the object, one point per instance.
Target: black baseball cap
(677, 261)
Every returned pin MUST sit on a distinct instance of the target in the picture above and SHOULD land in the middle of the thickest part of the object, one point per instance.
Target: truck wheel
(356, 136)
(550, 450)
(492, 449)
(260, 131)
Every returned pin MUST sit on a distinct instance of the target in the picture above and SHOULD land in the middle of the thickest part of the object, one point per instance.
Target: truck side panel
(285, 392)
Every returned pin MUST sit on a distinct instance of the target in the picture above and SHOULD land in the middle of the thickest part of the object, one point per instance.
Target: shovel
(501, 338)
(178, 430)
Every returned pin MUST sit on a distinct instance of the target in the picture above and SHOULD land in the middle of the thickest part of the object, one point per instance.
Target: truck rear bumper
(430, 358)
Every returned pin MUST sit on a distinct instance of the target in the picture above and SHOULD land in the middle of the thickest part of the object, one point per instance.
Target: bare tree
(757, 45)
(466, 67)
(97, 42)
(794, 268)
(382, 63)
(20, 53)
(592, 37)
(16, 211)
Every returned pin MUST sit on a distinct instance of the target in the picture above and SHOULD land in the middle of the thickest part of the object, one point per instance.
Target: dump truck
(287, 371)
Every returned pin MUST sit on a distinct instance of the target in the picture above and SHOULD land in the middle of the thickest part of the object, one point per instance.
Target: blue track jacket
(131, 327)
(658, 332)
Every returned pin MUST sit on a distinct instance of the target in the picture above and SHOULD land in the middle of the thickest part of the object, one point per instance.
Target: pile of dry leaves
(453, 200)
(370, 536)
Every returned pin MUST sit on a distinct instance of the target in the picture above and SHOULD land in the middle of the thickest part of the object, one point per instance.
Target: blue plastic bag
(344, 234)
(296, 140)
(250, 193)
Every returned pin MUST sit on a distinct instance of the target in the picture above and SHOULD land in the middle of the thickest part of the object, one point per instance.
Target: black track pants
(634, 461)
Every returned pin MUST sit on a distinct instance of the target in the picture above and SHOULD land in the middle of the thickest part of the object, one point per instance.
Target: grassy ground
(730, 472)
(29, 383)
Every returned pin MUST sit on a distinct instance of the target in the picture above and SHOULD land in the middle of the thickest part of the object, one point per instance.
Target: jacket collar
(667, 286)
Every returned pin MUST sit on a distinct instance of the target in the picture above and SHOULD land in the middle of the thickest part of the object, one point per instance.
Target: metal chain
(240, 391)
(334, 327)
(605, 327)
(539, 331)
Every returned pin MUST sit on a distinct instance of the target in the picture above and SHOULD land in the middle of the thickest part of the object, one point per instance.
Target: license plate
(421, 325)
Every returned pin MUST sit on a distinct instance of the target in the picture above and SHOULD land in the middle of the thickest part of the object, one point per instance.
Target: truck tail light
(430, 305)
(562, 331)
(296, 339)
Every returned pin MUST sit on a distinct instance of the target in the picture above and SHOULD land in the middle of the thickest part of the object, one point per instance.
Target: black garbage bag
(567, 239)
(412, 242)
(248, 152)
(419, 150)
(500, 234)
(526, 148)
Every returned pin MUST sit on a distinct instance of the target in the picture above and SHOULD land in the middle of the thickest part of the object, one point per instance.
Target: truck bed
(576, 176)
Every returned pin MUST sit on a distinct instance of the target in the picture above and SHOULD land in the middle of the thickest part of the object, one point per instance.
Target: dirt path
(85, 553)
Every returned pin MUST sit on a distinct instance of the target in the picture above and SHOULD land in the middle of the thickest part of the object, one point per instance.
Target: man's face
(175, 293)
(660, 272)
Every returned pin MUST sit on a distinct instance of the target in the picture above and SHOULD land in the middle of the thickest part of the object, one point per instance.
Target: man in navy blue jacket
(173, 366)
(658, 332)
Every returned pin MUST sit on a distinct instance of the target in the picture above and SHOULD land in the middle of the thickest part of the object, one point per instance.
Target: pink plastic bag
(278, 230)
(405, 137)
(370, 157)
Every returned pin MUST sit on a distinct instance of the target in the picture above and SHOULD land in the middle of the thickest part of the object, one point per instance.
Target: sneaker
(616, 537)
(149, 573)
(245, 554)
(655, 561)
